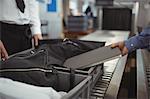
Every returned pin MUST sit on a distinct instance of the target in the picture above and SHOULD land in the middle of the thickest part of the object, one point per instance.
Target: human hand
(37, 37)
(121, 46)
(3, 52)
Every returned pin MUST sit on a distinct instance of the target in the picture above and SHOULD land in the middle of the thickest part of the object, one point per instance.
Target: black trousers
(15, 38)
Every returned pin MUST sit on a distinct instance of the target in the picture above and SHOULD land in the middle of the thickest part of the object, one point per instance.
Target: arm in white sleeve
(34, 15)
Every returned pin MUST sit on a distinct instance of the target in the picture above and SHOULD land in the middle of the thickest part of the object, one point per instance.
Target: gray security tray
(92, 58)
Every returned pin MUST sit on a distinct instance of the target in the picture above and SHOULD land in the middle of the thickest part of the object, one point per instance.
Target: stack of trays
(77, 23)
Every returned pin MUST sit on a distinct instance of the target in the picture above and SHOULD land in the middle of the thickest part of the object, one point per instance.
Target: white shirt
(16, 90)
(9, 13)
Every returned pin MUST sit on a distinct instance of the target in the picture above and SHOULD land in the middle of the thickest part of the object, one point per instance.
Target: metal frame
(132, 5)
(142, 91)
(114, 67)
(81, 91)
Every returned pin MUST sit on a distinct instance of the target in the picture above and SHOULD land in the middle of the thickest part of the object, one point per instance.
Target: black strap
(72, 78)
(20, 5)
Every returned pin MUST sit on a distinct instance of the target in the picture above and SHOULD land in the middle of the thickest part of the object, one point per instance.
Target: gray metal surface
(122, 4)
(81, 91)
(99, 90)
(113, 88)
(91, 58)
(108, 86)
(143, 74)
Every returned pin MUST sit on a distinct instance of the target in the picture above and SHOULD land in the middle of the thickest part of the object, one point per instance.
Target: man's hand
(121, 46)
(3, 52)
(37, 37)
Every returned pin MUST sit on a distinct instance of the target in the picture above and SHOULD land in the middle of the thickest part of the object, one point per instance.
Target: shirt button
(132, 45)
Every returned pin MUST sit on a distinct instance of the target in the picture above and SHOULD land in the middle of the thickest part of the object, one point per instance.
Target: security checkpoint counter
(113, 68)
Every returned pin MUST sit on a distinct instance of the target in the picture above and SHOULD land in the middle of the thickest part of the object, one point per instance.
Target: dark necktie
(20, 5)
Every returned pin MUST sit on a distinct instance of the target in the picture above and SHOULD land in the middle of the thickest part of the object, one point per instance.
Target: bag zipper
(32, 53)
(27, 70)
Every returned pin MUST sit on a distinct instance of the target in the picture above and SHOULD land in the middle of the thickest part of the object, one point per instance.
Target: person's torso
(9, 12)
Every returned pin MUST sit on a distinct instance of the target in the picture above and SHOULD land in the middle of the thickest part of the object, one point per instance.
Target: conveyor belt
(99, 90)
(148, 76)
(101, 86)
(146, 58)
(108, 87)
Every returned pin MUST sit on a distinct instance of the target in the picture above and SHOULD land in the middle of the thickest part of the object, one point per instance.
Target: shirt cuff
(35, 30)
(130, 45)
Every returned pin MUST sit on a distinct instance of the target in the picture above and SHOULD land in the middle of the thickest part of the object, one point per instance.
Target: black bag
(36, 66)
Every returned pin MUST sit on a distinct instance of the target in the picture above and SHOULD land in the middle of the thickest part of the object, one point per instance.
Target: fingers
(114, 45)
(35, 41)
(121, 46)
(124, 51)
(4, 54)
(36, 38)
